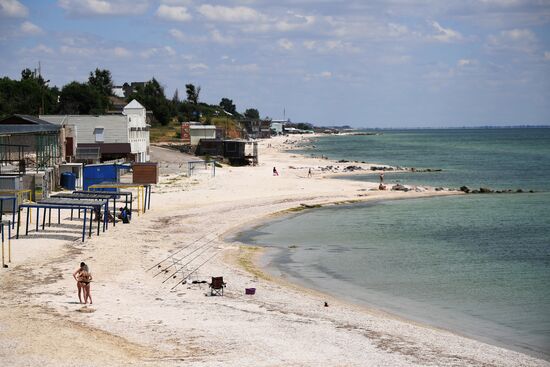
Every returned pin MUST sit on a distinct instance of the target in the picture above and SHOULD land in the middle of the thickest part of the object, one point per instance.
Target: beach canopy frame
(99, 195)
(3, 225)
(49, 204)
(143, 192)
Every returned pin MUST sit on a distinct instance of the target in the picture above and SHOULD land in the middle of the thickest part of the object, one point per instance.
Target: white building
(198, 132)
(123, 135)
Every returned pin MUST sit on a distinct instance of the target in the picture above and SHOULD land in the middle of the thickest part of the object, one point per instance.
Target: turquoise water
(476, 264)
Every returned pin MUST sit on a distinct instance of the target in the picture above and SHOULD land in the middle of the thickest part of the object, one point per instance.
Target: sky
(369, 63)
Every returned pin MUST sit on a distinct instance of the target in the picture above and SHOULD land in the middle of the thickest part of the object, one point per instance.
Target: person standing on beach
(309, 173)
(77, 275)
(275, 173)
(85, 280)
(382, 177)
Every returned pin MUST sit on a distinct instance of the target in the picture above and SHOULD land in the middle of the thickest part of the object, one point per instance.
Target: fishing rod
(157, 265)
(173, 275)
(194, 270)
(165, 270)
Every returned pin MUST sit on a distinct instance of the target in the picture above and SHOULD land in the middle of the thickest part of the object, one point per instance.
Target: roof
(133, 104)
(26, 124)
(202, 127)
(109, 148)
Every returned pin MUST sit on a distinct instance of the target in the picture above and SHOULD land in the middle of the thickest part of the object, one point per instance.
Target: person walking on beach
(275, 173)
(77, 275)
(309, 173)
(382, 177)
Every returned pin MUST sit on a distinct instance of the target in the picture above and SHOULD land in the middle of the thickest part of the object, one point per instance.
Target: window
(98, 133)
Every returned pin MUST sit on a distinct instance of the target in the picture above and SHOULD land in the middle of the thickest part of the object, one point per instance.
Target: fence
(201, 168)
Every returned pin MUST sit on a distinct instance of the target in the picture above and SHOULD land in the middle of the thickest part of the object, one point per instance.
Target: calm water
(476, 264)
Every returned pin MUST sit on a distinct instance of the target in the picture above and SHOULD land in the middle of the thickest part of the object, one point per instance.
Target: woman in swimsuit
(85, 280)
(80, 281)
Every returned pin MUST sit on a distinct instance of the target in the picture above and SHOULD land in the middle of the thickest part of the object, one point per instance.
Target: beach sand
(136, 319)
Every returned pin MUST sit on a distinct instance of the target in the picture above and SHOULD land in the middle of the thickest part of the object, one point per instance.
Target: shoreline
(137, 319)
(260, 256)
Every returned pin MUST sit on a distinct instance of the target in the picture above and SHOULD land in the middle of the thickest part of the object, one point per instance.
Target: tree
(228, 106)
(176, 96)
(26, 96)
(252, 113)
(192, 93)
(102, 81)
(82, 99)
(152, 97)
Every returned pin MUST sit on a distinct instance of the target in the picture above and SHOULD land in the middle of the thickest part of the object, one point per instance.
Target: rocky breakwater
(486, 190)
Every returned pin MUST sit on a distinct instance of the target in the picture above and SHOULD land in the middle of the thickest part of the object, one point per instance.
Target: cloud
(177, 34)
(236, 14)
(13, 8)
(519, 40)
(285, 44)
(174, 13)
(218, 37)
(240, 68)
(503, 3)
(396, 59)
(104, 7)
(329, 46)
(121, 52)
(293, 22)
(166, 51)
(197, 67)
(326, 74)
(546, 56)
(445, 34)
(39, 49)
(466, 62)
(30, 28)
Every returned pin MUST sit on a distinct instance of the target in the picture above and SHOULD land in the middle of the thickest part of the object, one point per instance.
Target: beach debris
(326, 304)
(381, 187)
(250, 291)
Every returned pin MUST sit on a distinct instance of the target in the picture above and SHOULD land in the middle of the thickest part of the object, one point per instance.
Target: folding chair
(217, 286)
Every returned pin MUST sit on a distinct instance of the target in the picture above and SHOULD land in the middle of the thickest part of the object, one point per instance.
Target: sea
(478, 264)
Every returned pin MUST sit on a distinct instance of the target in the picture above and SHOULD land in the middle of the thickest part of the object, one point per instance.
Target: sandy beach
(138, 319)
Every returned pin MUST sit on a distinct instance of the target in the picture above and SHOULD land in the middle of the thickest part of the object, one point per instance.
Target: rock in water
(485, 190)
(465, 189)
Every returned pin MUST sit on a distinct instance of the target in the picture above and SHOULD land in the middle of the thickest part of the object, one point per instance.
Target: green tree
(192, 93)
(152, 97)
(228, 106)
(102, 81)
(26, 96)
(252, 113)
(82, 99)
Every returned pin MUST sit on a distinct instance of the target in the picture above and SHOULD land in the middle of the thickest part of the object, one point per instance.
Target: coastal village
(173, 286)
(274, 184)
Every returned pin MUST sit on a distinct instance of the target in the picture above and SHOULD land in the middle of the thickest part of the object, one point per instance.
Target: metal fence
(195, 168)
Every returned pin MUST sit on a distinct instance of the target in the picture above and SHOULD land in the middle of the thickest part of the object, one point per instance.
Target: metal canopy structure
(63, 204)
(99, 195)
(143, 192)
(3, 230)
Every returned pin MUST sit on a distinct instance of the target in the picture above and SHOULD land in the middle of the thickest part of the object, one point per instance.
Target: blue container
(99, 173)
(68, 180)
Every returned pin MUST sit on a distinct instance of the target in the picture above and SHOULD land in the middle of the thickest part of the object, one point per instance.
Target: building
(192, 132)
(107, 137)
(257, 129)
(30, 155)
